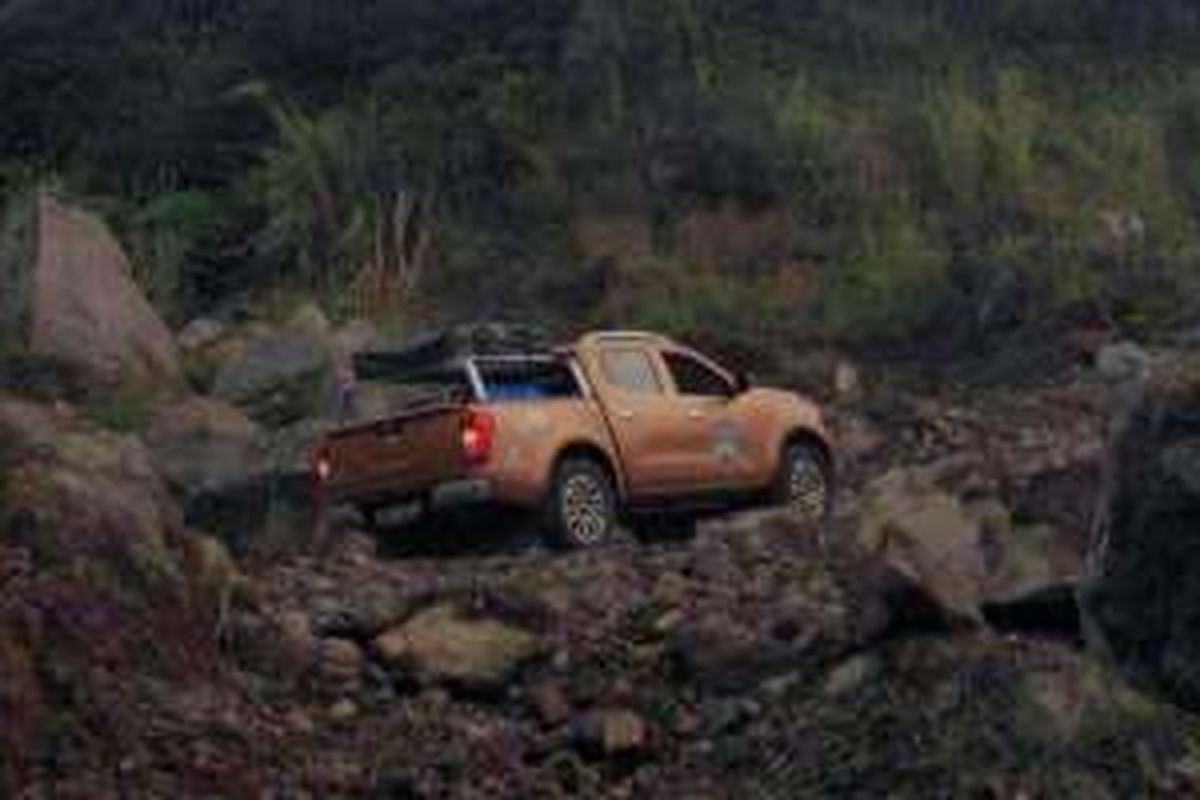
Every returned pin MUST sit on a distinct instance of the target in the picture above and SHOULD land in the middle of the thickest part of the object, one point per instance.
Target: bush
(893, 285)
(168, 235)
(124, 409)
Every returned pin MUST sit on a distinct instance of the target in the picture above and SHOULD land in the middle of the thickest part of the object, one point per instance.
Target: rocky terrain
(173, 624)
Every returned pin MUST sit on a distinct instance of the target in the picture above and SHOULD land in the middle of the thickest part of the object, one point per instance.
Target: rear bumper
(451, 498)
(459, 493)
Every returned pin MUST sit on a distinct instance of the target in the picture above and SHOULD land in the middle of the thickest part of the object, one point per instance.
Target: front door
(720, 446)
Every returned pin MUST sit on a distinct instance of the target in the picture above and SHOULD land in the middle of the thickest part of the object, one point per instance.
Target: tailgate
(395, 457)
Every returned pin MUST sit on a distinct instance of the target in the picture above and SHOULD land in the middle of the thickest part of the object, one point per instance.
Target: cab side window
(630, 370)
(695, 378)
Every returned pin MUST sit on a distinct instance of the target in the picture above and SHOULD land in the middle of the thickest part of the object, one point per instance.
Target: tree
(344, 203)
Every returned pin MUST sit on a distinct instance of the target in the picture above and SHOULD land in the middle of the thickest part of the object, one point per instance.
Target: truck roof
(608, 337)
(443, 356)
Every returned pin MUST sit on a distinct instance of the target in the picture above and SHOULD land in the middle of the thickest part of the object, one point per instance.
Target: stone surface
(962, 554)
(850, 675)
(118, 607)
(279, 375)
(84, 307)
(355, 336)
(754, 660)
(1144, 605)
(443, 644)
(80, 494)
(847, 382)
(201, 444)
(200, 333)
(612, 732)
(340, 663)
(925, 534)
(550, 703)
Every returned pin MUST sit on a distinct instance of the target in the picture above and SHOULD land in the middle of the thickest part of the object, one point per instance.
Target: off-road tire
(581, 508)
(804, 484)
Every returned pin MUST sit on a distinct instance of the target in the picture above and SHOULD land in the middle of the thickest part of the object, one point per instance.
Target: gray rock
(310, 322)
(847, 382)
(204, 445)
(443, 644)
(281, 376)
(355, 336)
(1181, 462)
(925, 535)
(722, 656)
(80, 495)
(962, 556)
(1125, 369)
(850, 675)
(277, 379)
(340, 664)
(69, 295)
(200, 333)
(550, 702)
(287, 451)
(1144, 603)
(612, 732)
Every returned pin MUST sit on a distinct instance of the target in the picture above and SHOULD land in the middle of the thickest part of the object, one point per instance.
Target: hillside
(800, 170)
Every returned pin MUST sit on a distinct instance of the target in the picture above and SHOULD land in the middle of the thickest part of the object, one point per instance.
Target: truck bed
(412, 453)
(401, 455)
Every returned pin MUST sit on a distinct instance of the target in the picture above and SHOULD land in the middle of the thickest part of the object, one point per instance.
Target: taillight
(322, 464)
(478, 436)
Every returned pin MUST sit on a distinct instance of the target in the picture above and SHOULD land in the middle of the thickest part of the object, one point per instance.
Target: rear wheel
(581, 510)
(804, 485)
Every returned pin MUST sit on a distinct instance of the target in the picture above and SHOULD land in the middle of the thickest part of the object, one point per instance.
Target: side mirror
(741, 382)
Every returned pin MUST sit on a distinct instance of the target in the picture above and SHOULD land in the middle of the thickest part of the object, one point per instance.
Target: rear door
(655, 436)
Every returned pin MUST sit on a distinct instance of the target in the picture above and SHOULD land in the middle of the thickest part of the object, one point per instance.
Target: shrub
(893, 284)
(167, 234)
(125, 409)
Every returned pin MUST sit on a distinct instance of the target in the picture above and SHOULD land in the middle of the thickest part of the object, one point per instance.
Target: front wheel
(804, 485)
(581, 510)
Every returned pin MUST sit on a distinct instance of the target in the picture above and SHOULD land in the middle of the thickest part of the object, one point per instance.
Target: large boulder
(925, 535)
(961, 555)
(79, 495)
(219, 464)
(70, 296)
(1144, 602)
(201, 444)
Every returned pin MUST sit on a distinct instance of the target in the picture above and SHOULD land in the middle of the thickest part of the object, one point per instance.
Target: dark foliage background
(853, 170)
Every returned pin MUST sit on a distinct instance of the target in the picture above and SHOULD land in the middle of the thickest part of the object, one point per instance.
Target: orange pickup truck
(619, 427)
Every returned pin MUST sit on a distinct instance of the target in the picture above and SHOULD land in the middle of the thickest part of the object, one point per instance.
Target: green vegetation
(125, 409)
(852, 170)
